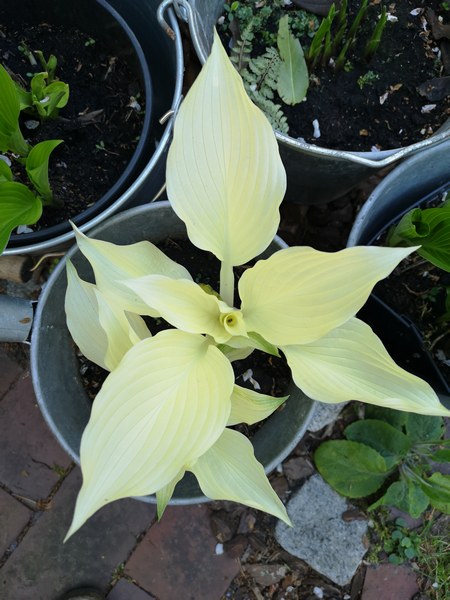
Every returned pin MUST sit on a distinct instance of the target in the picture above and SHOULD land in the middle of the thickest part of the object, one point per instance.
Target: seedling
(20, 205)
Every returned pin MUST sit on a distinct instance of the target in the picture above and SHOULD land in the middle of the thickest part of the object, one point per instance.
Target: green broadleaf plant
(166, 405)
(429, 227)
(19, 205)
(387, 444)
(36, 165)
(293, 79)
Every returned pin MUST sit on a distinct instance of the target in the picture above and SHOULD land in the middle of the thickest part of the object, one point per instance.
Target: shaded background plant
(20, 205)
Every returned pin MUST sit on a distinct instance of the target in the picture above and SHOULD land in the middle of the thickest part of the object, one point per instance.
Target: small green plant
(20, 205)
(389, 445)
(433, 559)
(46, 95)
(367, 79)
(282, 70)
(429, 228)
(402, 544)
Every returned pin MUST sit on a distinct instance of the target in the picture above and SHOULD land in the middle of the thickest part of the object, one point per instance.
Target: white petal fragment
(163, 407)
(250, 407)
(300, 294)
(113, 264)
(224, 172)
(351, 363)
(230, 471)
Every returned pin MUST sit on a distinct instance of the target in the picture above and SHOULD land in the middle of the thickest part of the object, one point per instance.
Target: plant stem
(227, 283)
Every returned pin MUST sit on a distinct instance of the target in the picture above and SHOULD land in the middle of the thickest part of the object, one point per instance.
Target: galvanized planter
(59, 391)
(160, 59)
(421, 176)
(315, 175)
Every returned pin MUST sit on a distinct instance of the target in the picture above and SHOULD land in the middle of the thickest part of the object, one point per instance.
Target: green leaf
(431, 229)
(18, 206)
(438, 491)
(405, 495)
(5, 172)
(396, 418)
(10, 136)
(391, 443)
(353, 469)
(422, 428)
(293, 77)
(441, 456)
(37, 167)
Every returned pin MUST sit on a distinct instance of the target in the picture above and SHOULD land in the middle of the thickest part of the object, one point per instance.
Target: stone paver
(42, 567)
(319, 535)
(389, 582)
(28, 448)
(13, 518)
(9, 372)
(125, 590)
(177, 558)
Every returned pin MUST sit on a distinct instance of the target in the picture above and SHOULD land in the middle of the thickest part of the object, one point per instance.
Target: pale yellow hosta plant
(169, 401)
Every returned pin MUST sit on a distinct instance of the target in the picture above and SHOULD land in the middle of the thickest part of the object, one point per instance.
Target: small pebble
(219, 548)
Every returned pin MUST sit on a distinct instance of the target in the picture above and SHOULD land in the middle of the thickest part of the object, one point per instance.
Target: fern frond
(240, 53)
(273, 111)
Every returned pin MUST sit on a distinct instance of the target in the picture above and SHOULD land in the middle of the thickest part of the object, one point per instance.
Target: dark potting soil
(387, 111)
(260, 372)
(418, 290)
(99, 125)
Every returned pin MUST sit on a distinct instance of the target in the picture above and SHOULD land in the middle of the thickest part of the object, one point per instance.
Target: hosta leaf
(230, 471)
(18, 206)
(391, 443)
(351, 363)
(164, 494)
(37, 167)
(185, 305)
(100, 328)
(5, 172)
(351, 468)
(164, 406)
(431, 229)
(293, 77)
(9, 110)
(421, 428)
(300, 294)
(405, 495)
(224, 172)
(250, 407)
(114, 264)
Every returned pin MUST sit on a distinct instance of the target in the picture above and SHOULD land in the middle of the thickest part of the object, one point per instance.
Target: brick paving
(122, 550)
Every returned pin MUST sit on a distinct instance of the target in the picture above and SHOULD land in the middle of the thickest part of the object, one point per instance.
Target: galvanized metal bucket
(424, 175)
(315, 175)
(154, 28)
(59, 389)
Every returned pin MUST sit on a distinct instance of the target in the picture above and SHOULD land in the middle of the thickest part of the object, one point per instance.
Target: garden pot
(408, 185)
(315, 175)
(59, 390)
(134, 32)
